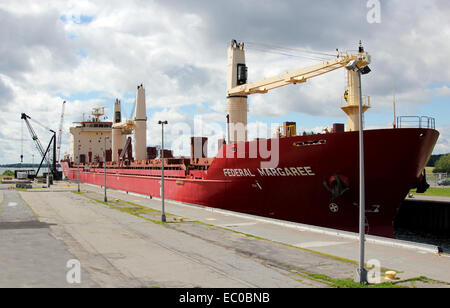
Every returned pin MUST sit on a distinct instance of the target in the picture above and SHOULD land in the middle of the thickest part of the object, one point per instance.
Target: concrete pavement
(429, 198)
(139, 253)
(410, 262)
(121, 244)
(29, 255)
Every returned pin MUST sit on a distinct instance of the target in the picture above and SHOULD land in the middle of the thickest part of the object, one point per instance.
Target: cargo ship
(307, 178)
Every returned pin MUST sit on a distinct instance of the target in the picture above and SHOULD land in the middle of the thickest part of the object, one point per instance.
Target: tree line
(440, 162)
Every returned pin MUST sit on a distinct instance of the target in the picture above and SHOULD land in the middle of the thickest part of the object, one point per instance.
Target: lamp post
(78, 171)
(163, 214)
(104, 168)
(361, 271)
(362, 192)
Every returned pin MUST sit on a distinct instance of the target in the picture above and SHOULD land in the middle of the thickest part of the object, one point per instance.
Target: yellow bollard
(390, 275)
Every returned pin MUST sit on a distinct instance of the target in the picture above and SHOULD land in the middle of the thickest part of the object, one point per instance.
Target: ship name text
(288, 171)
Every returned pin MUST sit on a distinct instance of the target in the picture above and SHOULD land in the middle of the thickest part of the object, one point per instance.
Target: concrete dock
(30, 255)
(121, 244)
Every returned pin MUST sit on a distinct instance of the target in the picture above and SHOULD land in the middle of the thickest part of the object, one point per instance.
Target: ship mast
(236, 101)
(121, 128)
(395, 115)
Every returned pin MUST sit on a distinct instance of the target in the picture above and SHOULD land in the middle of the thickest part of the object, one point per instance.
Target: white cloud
(178, 51)
(443, 143)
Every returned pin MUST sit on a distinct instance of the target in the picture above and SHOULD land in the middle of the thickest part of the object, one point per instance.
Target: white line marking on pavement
(239, 224)
(319, 244)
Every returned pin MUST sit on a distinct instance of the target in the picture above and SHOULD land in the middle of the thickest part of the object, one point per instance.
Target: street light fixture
(163, 214)
(78, 178)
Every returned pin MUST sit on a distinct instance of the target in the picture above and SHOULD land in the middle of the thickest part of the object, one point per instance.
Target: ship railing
(365, 101)
(416, 122)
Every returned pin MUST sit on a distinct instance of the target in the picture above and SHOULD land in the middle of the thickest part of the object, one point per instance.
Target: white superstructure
(87, 140)
(87, 143)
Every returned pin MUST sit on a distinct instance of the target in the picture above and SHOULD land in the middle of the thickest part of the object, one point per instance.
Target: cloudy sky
(91, 52)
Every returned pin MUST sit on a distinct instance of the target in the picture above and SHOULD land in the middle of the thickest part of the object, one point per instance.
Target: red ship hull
(294, 190)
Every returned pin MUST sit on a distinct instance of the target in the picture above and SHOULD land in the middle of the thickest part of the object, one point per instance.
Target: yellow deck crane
(238, 89)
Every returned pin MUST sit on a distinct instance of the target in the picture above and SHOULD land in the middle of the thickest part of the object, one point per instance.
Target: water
(41, 172)
(426, 238)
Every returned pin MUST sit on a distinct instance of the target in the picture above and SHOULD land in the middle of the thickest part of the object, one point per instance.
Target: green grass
(20, 189)
(429, 171)
(434, 191)
(350, 283)
(129, 208)
(347, 283)
(7, 173)
(423, 279)
(27, 189)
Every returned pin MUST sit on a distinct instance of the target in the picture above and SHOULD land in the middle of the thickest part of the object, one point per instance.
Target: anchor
(337, 185)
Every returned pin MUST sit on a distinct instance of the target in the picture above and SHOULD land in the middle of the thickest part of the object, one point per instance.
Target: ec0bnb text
(236, 297)
(246, 297)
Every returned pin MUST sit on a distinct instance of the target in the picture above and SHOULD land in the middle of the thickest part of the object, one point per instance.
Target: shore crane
(238, 89)
(51, 163)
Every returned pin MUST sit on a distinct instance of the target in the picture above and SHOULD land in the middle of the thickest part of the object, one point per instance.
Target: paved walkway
(29, 255)
(410, 262)
(208, 248)
(430, 198)
(119, 249)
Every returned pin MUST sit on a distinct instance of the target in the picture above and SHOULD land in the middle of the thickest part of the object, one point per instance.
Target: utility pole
(362, 194)
(104, 168)
(361, 273)
(163, 214)
(78, 170)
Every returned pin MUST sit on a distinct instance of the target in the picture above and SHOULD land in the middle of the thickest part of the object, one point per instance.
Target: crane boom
(58, 146)
(299, 75)
(36, 139)
(238, 89)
